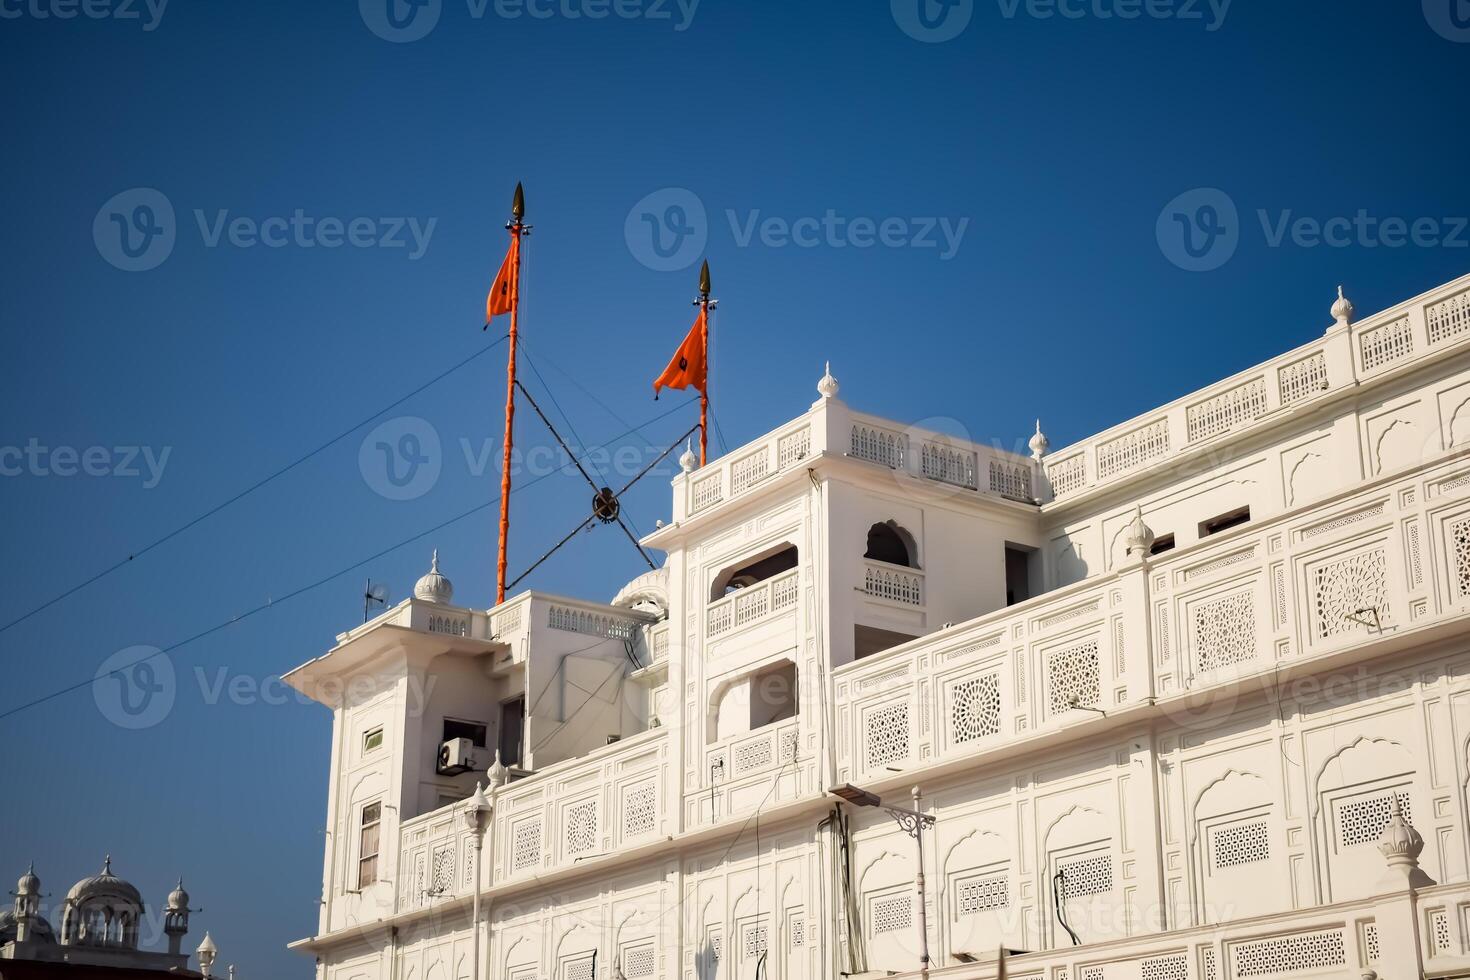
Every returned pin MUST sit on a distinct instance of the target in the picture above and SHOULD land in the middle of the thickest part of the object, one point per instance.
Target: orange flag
(503, 290)
(688, 368)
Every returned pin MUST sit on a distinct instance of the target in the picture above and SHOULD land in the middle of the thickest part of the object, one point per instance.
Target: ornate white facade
(1196, 690)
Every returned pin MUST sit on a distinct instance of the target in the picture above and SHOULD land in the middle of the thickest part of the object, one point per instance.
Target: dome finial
(1342, 310)
(107, 865)
(827, 387)
(498, 774)
(1039, 443)
(434, 587)
(1139, 538)
(687, 460)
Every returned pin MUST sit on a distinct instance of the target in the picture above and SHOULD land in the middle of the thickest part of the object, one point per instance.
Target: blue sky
(969, 228)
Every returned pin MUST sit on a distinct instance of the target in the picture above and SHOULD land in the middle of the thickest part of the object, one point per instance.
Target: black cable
(319, 582)
(563, 412)
(719, 433)
(247, 491)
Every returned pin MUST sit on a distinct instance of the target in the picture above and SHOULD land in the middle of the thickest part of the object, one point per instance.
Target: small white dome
(1342, 310)
(29, 884)
(434, 587)
(688, 461)
(105, 886)
(178, 899)
(827, 387)
(1039, 443)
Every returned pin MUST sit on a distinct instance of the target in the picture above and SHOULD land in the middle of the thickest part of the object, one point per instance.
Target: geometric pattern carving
(1089, 876)
(581, 968)
(892, 914)
(525, 844)
(639, 961)
(1304, 378)
(1387, 343)
(755, 941)
(639, 810)
(974, 708)
(1226, 410)
(879, 446)
(1448, 317)
(1460, 543)
(1133, 448)
(953, 466)
(1073, 677)
(1362, 821)
(1245, 843)
(581, 821)
(754, 754)
(442, 880)
(1165, 968)
(1290, 954)
(1211, 970)
(1068, 475)
(1225, 630)
(793, 447)
(798, 932)
(1347, 586)
(1370, 942)
(1439, 931)
(983, 894)
(888, 735)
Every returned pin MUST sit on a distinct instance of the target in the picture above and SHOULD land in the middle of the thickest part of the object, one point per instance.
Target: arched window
(891, 543)
(769, 564)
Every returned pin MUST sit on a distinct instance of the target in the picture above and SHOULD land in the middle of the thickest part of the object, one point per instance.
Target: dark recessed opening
(472, 730)
(1163, 543)
(1224, 522)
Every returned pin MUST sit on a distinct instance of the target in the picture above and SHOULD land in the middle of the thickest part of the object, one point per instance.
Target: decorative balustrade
(753, 603)
(1011, 480)
(1448, 318)
(1302, 379)
(728, 478)
(1386, 344)
(756, 752)
(1227, 410)
(436, 858)
(948, 464)
(878, 445)
(1313, 582)
(589, 621)
(1067, 475)
(1131, 449)
(893, 582)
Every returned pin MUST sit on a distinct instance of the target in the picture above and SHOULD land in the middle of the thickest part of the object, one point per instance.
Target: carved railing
(753, 603)
(893, 582)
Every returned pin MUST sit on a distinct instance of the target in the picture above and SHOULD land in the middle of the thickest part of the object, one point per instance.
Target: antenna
(373, 592)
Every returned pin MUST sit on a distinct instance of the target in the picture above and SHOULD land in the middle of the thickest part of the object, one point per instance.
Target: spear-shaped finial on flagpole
(704, 307)
(518, 203)
(704, 278)
(505, 296)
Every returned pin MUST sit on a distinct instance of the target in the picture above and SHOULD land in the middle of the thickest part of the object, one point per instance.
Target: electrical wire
(294, 593)
(248, 490)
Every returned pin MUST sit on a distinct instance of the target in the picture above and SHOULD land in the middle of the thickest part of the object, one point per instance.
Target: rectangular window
(372, 740)
(1224, 522)
(1163, 543)
(512, 721)
(367, 850)
(472, 730)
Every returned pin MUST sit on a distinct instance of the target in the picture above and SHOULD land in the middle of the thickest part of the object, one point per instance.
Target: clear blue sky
(1058, 141)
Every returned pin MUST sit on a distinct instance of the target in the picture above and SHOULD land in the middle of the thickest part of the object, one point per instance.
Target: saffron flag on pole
(503, 290)
(689, 368)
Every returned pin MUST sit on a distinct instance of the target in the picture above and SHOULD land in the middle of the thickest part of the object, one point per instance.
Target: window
(512, 723)
(367, 849)
(472, 730)
(891, 543)
(1224, 522)
(773, 695)
(868, 640)
(1163, 543)
(783, 559)
(1019, 574)
(372, 740)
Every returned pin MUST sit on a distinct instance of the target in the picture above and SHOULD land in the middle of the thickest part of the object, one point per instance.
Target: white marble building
(1194, 691)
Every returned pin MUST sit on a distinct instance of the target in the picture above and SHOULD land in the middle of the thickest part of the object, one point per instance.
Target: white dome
(178, 899)
(107, 887)
(434, 587)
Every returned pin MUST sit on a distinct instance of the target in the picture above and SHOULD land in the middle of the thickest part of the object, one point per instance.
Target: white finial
(1400, 844)
(207, 953)
(1342, 310)
(1139, 538)
(827, 387)
(434, 587)
(687, 461)
(1039, 443)
(498, 774)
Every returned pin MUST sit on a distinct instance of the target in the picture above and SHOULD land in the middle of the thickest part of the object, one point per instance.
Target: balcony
(753, 604)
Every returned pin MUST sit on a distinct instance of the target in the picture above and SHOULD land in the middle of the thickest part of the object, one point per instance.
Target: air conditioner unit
(457, 756)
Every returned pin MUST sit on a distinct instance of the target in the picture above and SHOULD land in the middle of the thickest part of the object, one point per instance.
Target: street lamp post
(914, 823)
(476, 812)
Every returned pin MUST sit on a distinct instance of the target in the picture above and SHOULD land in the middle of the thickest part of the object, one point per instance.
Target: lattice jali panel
(798, 932)
(441, 879)
(1225, 630)
(582, 968)
(879, 446)
(1303, 378)
(1087, 876)
(1361, 821)
(525, 844)
(1371, 950)
(974, 708)
(793, 447)
(1067, 476)
(1133, 448)
(1012, 480)
(753, 754)
(1459, 539)
(948, 465)
(640, 809)
(1440, 938)
(525, 973)
(1165, 968)
(982, 894)
(1386, 344)
(1242, 843)
(886, 735)
(1225, 411)
(1345, 589)
(1074, 677)
(892, 914)
(745, 473)
(639, 961)
(1290, 955)
(581, 827)
(1211, 964)
(1448, 318)
(753, 942)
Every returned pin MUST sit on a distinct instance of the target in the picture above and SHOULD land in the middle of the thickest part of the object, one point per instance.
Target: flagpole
(516, 227)
(704, 306)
